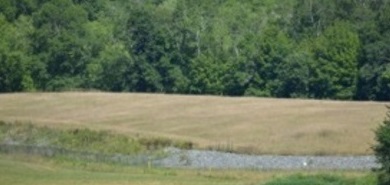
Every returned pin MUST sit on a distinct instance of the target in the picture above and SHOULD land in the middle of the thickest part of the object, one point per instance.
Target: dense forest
(323, 49)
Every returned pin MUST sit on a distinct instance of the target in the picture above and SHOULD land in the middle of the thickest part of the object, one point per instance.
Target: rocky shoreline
(199, 159)
(203, 159)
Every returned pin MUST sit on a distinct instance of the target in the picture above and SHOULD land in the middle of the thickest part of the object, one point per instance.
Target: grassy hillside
(256, 125)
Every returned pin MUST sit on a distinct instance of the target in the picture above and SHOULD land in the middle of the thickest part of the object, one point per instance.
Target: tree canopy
(382, 150)
(323, 49)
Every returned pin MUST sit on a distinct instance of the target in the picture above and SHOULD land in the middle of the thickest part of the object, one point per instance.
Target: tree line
(323, 49)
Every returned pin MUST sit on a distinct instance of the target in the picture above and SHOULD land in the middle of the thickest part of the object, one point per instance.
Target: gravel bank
(198, 159)
(218, 160)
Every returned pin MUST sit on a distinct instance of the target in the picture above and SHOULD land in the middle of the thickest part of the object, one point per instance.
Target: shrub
(382, 150)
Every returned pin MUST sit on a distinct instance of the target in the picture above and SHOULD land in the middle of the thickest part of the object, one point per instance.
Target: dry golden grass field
(255, 125)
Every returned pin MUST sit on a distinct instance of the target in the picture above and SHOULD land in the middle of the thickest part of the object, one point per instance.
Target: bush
(382, 150)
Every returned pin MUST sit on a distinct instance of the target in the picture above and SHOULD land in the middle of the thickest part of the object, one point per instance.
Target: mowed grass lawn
(254, 125)
(21, 170)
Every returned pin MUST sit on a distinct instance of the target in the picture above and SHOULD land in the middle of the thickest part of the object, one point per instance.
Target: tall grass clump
(73, 139)
(155, 143)
(83, 139)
